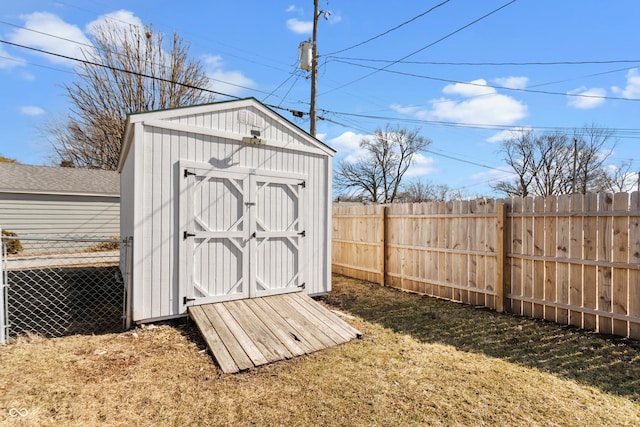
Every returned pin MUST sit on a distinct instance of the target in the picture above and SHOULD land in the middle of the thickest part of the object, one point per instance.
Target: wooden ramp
(245, 333)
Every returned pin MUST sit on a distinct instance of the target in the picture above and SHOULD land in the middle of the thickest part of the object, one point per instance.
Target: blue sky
(441, 70)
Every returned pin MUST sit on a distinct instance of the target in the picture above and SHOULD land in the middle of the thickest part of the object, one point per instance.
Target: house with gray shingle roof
(44, 201)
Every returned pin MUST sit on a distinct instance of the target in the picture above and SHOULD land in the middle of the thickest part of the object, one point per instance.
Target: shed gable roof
(19, 178)
(247, 113)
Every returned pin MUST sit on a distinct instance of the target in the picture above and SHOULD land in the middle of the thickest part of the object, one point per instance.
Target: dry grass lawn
(421, 362)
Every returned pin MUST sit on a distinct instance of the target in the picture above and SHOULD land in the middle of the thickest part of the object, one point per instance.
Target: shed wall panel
(163, 149)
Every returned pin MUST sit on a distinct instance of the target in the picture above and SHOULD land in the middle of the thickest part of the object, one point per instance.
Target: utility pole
(314, 70)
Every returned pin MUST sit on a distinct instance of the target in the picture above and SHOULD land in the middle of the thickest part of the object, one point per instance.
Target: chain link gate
(62, 286)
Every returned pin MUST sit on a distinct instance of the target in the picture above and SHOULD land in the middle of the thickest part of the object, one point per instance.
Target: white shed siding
(169, 138)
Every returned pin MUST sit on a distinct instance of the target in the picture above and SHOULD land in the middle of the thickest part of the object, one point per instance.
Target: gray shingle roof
(17, 178)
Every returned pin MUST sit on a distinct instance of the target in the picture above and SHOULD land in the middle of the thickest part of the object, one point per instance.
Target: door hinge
(303, 184)
(187, 234)
(185, 300)
(302, 285)
(303, 233)
(187, 172)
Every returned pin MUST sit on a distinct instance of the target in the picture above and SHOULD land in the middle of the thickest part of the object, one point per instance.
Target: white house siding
(42, 215)
(156, 239)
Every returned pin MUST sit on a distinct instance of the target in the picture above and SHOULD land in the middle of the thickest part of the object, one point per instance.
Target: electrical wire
(391, 29)
(466, 64)
(377, 70)
(440, 79)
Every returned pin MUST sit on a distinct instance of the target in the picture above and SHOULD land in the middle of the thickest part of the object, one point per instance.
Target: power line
(376, 70)
(486, 85)
(620, 132)
(623, 133)
(391, 29)
(189, 86)
(612, 61)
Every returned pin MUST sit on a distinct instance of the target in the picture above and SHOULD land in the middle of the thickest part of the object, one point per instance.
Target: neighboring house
(44, 201)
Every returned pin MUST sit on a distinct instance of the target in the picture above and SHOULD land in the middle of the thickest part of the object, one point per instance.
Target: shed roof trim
(167, 114)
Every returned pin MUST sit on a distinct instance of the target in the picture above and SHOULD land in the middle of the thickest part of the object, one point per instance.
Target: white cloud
(225, 81)
(507, 134)
(122, 19)
(480, 104)
(30, 110)
(48, 23)
(421, 165)
(291, 8)
(300, 27)
(474, 88)
(346, 143)
(586, 102)
(512, 82)
(496, 109)
(408, 109)
(632, 89)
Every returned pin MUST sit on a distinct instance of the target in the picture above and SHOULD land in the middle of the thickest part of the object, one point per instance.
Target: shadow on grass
(608, 363)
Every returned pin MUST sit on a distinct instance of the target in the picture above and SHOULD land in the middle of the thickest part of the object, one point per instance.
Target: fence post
(383, 245)
(4, 319)
(500, 254)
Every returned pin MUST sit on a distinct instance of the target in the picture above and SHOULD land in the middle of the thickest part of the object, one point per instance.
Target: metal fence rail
(61, 286)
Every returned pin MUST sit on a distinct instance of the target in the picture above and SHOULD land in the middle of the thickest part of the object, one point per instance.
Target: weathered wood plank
(538, 250)
(270, 346)
(278, 327)
(213, 340)
(589, 274)
(620, 253)
(312, 321)
(576, 281)
(226, 335)
(562, 267)
(634, 257)
(240, 335)
(316, 339)
(550, 251)
(605, 204)
(340, 326)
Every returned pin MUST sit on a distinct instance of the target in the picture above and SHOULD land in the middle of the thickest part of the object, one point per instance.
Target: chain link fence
(62, 286)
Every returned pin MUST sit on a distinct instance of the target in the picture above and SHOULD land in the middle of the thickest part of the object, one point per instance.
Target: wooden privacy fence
(571, 259)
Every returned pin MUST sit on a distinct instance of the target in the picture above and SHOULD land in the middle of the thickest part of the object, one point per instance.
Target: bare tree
(592, 146)
(389, 154)
(136, 72)
(555, 163)
(620, 178)
(426, 191)
(519, 154)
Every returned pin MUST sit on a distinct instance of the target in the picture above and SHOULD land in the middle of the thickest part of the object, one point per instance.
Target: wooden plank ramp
(242, 334)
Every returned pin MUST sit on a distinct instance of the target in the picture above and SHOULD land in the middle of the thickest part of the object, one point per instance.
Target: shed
(223, 201)
(42, 201)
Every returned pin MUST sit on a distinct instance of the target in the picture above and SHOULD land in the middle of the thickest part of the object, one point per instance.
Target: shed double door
(243, 236)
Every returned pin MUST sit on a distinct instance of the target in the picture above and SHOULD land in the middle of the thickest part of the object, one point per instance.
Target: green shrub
(13, 245)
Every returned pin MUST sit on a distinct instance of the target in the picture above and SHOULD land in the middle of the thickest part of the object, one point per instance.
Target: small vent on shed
(251, 119)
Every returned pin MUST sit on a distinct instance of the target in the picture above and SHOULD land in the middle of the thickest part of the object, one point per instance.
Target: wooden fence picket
(571, 259)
